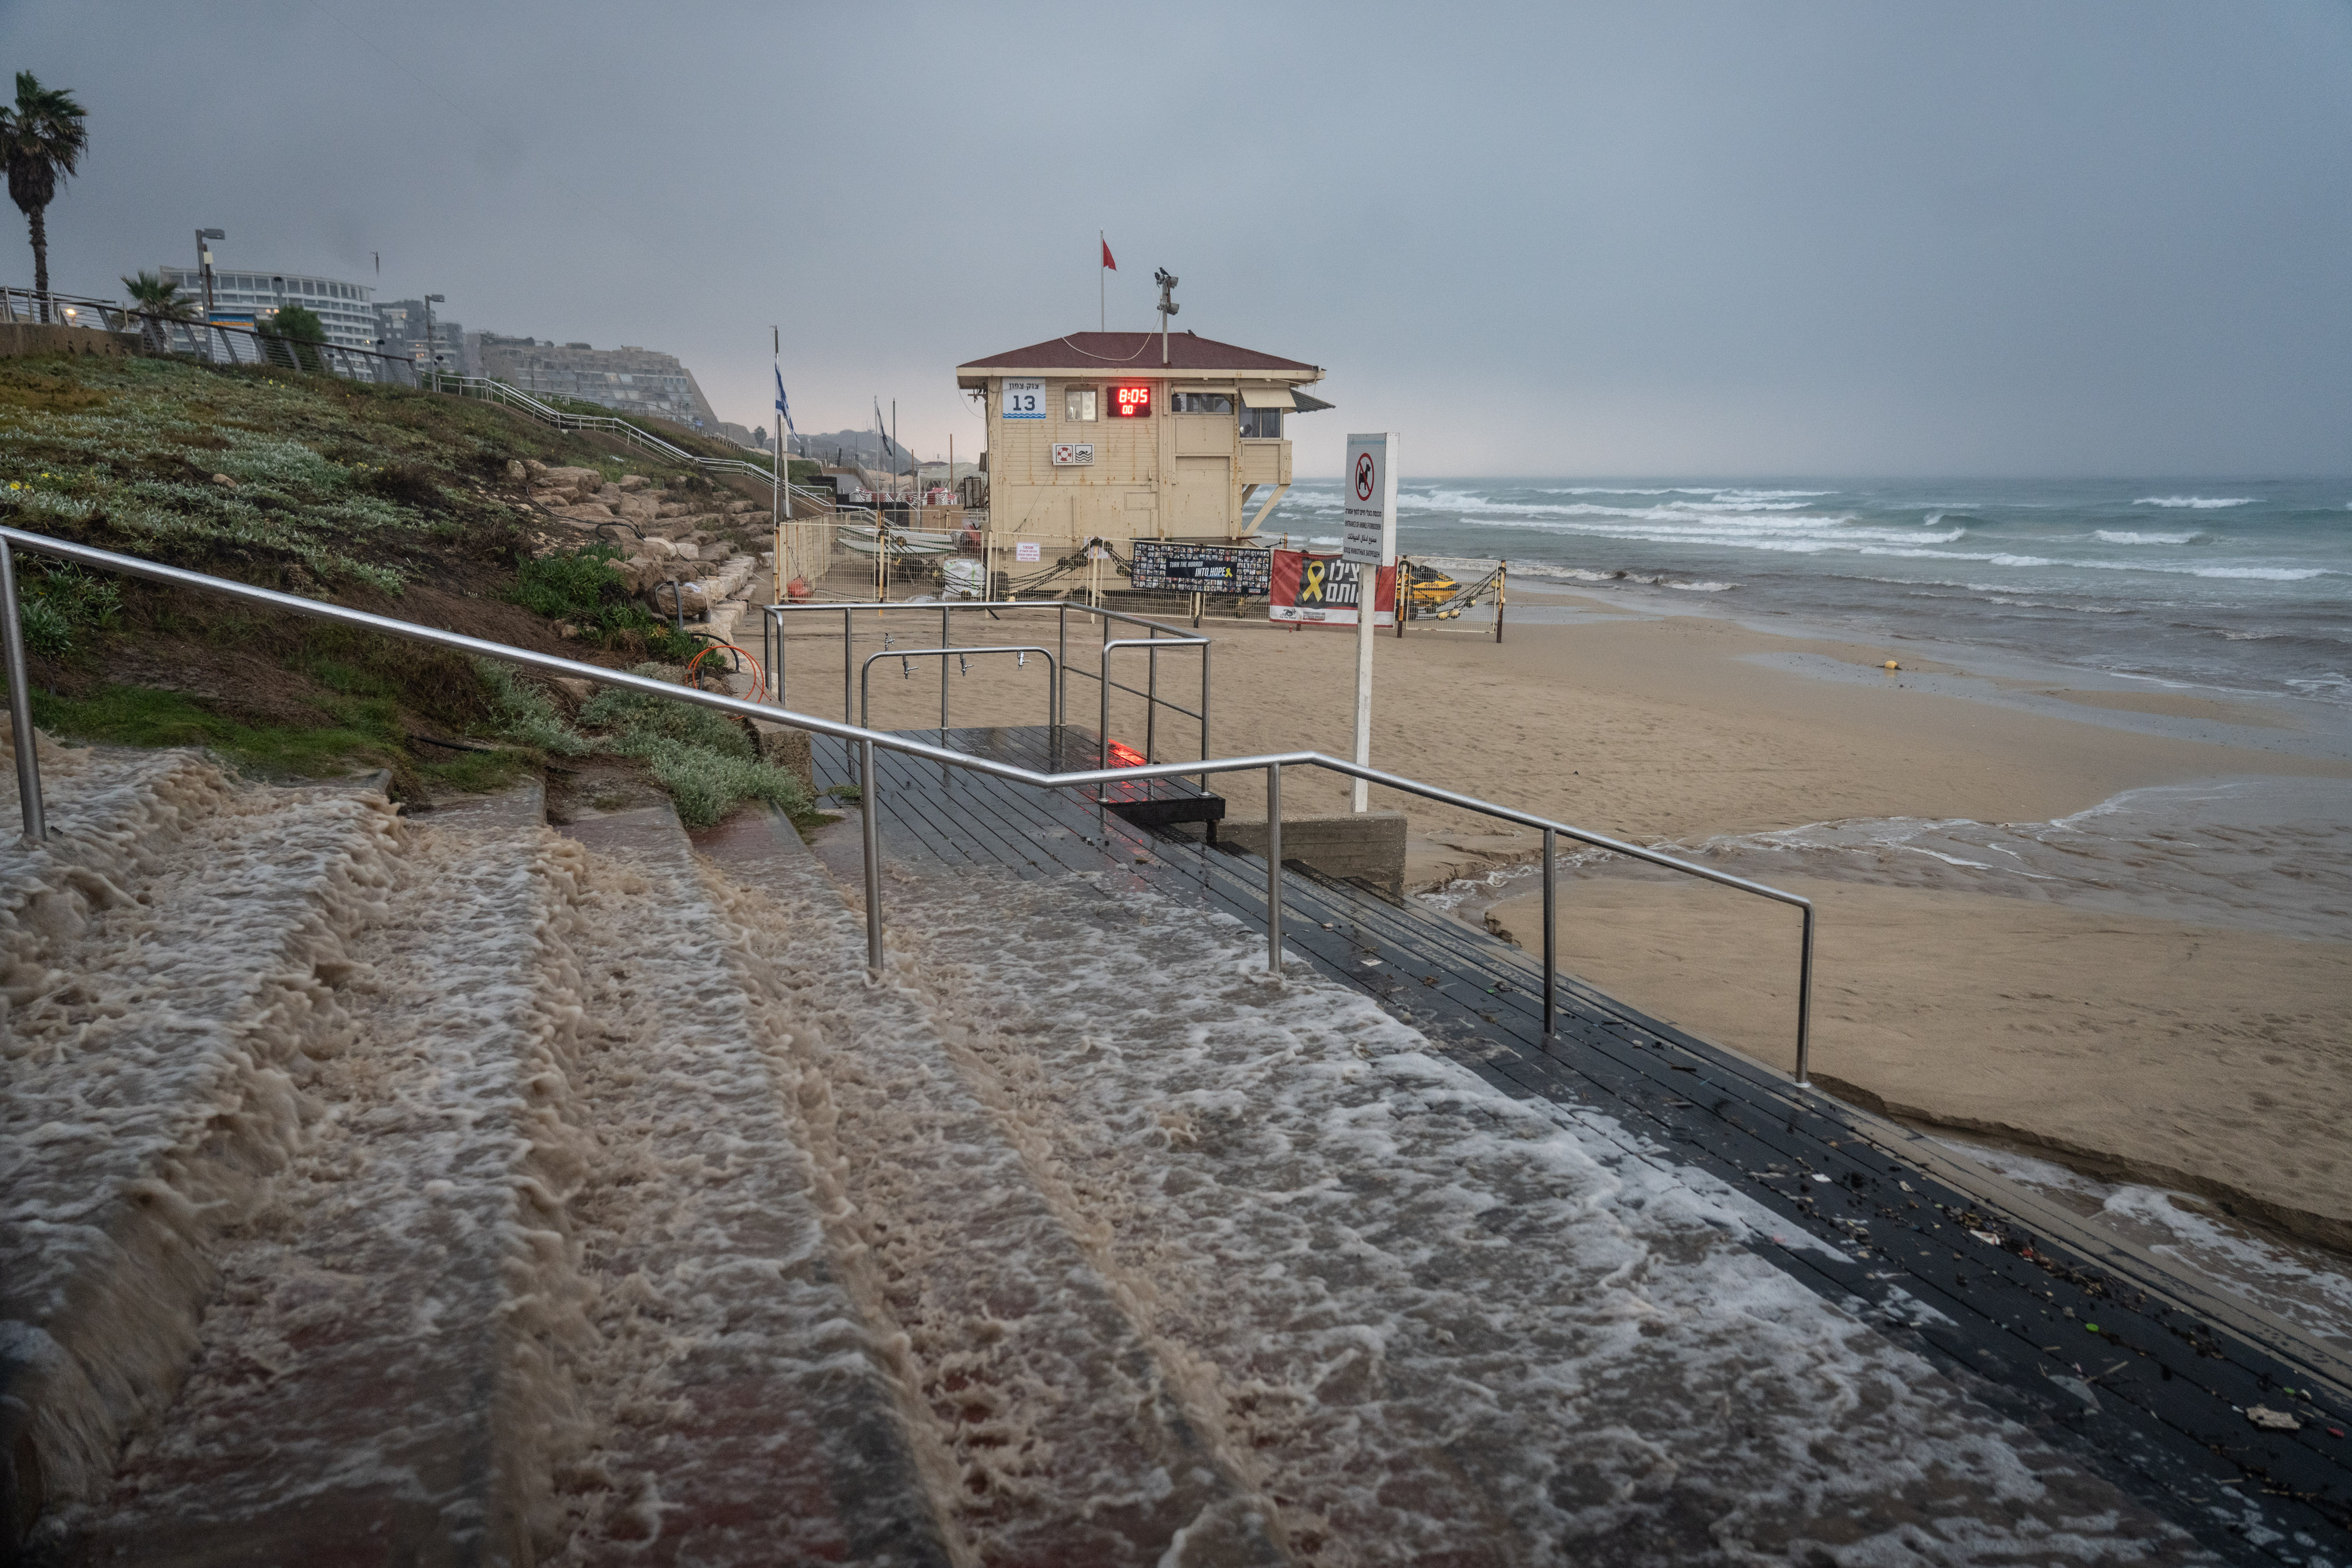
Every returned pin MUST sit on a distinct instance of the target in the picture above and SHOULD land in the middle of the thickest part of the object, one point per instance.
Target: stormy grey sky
(1802, 236)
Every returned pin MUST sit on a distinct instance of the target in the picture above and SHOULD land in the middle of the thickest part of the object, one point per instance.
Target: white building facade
(245, 299)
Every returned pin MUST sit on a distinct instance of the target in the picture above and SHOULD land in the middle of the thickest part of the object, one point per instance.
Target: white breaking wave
(2124, 537)
(2195, 503)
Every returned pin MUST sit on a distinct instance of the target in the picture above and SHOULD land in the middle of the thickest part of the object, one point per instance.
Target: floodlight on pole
(1167, 282)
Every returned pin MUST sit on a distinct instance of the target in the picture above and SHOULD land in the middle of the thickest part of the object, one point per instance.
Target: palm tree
(155, 300)
(41, 139)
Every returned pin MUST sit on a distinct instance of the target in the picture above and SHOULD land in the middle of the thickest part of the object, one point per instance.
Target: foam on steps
(751, 1412)
(170, 963)
(1073, 1435)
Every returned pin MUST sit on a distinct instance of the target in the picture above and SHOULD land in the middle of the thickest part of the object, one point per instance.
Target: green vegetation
(579, 587)
(155, 294)
(706, 761)
(57, 599)
(42, 139)
(353, 735)
(300, 329)
(329, 489)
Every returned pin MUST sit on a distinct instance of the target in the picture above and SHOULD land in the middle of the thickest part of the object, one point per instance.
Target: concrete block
(19, 339)
(783, 747)
(1366, 847)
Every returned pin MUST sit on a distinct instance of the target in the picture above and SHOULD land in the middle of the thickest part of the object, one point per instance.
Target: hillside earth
(421, 506)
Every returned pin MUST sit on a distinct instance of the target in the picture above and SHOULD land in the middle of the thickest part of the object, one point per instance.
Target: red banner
(1322, 590)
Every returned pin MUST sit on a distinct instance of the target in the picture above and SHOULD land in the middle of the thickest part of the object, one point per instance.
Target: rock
(673, 509)
(655, 548)
(574, 687)
(687, 550)
(534, 466)
(225, 479)
(636, 509)
(635, 482)
(735, 506)
(587, 481)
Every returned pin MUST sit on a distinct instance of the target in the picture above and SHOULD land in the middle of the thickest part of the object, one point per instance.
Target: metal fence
(212, 342)
(867, 741)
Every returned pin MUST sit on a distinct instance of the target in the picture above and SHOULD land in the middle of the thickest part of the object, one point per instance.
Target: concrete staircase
(453, 1190)
(458, 1190)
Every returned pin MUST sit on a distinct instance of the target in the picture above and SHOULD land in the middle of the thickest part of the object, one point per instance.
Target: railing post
(1151, 700)
(869, 823)
(1102, 750)
(1062, 657)
(848, 657)
(945, 639)
(1273, 868)
(20, 706)
(1805, 1005)
(1552, 927)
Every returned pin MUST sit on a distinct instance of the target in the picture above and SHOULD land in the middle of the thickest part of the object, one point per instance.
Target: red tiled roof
(1112, 353)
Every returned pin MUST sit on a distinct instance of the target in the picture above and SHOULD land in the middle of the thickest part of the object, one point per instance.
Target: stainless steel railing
(867, 741)
(213, 342)
(772, 653)
(490, 389)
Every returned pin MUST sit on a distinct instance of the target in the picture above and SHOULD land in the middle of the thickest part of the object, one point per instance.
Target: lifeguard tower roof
(1135, 354)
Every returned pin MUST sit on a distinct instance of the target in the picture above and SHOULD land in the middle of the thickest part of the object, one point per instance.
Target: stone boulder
(635, 482)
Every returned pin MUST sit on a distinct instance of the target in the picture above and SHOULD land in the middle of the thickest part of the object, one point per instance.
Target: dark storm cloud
(1792, 237)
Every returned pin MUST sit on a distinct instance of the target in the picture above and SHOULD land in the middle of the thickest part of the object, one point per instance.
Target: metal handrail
(865, 671)
(1270, 763)
(490, 389)
(1151, 708)
(771, 645)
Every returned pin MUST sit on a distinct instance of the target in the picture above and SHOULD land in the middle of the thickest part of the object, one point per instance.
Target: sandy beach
(2191, 1052)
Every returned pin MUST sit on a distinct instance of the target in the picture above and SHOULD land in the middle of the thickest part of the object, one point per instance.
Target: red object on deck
(1125, 756)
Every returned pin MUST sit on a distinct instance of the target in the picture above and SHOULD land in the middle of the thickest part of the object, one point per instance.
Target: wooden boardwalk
(2092, 1346)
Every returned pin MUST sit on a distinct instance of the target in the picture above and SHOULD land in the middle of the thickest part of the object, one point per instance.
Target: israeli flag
(783, 404)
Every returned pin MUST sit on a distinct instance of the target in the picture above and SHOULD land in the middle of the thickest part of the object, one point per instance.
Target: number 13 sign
(1024, 399)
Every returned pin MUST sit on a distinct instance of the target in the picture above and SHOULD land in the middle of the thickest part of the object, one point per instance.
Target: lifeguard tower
(1121, 435)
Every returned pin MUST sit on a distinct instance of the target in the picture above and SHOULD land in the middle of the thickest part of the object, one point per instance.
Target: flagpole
(1102, 283)
(776, 337)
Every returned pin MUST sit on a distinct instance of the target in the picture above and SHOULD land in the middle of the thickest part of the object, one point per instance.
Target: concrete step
(1069, 1430)
(750, 1413)
(173, 962)
(384, 1373)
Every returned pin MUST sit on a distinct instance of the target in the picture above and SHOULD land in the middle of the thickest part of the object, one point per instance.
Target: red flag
(1107, 262)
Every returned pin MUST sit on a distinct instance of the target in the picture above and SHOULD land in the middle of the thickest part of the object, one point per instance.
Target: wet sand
(2177, 1052)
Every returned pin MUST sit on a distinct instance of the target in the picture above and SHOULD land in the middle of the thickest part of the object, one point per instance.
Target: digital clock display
(1131, 403)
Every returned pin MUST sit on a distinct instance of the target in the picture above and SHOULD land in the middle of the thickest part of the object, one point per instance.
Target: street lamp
(431, 357)
(204, 265)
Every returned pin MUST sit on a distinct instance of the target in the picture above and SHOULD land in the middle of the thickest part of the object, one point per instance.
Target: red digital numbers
(1131, 403)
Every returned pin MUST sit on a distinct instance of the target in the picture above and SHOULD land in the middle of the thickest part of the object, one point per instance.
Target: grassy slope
(392, 501)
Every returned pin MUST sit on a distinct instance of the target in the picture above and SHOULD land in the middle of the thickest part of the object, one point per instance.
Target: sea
(2230, 586)
(2198, 587)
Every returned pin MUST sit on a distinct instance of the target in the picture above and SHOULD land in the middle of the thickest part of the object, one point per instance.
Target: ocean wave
(2123, 536)
(2265, 573)
(1651, 579)
(2197, 503)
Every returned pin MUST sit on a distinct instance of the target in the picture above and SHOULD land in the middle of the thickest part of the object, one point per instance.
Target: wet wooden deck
(2096, 1350)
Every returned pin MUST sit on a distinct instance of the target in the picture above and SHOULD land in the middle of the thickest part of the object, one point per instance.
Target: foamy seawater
(2244, 585)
